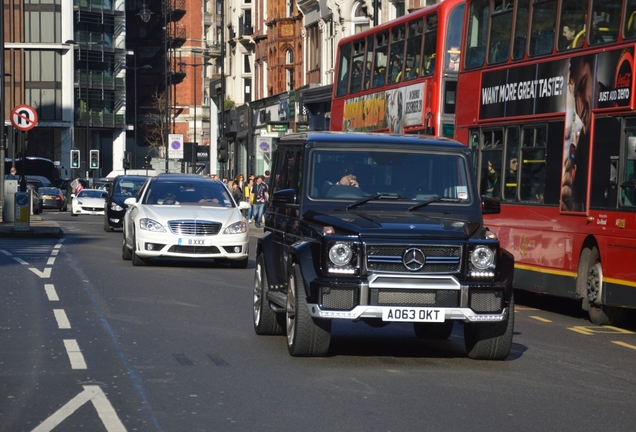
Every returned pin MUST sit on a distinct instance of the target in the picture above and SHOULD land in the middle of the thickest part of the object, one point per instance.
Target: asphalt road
(89, 342)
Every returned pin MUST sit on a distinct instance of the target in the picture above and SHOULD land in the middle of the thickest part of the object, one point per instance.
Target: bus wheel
(591, 272)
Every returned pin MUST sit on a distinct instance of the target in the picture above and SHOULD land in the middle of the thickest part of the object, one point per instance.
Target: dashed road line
(626, 345)
(74, 354)
(50, 292)
(62, 320)
(538, 318)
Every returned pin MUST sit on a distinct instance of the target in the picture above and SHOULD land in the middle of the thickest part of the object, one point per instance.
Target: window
(429, 57)
(500, 31)
(398, 35)
(491, 162)
(572, 27)
(521, 30)
(358, 62)
(359, 21)
(606, 15)
(413, 49)
(453, 38)
(542, 33)
(247, 68)
(476, 34)
(380, 58)
(314, 47)
(532, 163)
(343, 70)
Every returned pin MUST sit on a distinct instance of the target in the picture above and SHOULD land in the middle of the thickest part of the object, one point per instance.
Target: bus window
(628, 186)
(358, 65)
(629, 27)
(397, 54)
(343, 72)
(532, 164)
(604, 162)
(500, 31)
(476, 35)
(430, 46)
(573, 29)
(543, 24)
(379, 62)
(606, 15)
(413, 49)
(521, 30)
(511, 163)
(491, 161)
(453, 38)
(368, 66)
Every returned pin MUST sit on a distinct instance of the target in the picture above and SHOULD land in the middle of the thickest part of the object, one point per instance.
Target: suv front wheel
(266, 321)
(490, 341)
(306, 336)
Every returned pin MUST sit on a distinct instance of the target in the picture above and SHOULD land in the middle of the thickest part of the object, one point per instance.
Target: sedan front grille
(194, 227)
(200, 250)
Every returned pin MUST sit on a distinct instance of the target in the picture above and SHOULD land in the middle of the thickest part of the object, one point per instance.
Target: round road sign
(24, 117)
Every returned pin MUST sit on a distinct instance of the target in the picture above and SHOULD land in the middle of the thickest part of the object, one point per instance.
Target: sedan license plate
(193, 242)
(413, 314)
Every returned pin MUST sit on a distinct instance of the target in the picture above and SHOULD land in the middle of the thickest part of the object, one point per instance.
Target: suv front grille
(414, 297)
(194, 227)
(389, 258)
(486, 300)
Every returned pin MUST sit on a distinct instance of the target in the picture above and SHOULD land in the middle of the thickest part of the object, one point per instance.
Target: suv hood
(385, 224)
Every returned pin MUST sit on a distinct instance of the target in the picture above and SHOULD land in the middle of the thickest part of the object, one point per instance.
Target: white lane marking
(43, 274)
(96, 396)
(54, 252)
(21, 261)
(74, 354)
(7, 253)
(62, 320)
(50, 292)
(50, 261)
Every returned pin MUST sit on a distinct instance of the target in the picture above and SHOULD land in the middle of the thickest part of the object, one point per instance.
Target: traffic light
(75, 158)
(94, 159)
(147, 161)
(126, 160)
(221, 155)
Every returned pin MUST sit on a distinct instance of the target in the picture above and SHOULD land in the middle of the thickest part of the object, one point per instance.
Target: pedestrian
(77, 185)
(13, 174)
(249, 198)
(237, 192)
(261, 196)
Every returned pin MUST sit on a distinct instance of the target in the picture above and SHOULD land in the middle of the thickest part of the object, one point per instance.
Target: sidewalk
(38, 228)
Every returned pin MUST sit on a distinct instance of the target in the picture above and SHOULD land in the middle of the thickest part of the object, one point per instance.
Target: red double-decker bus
(401, 77)
(547, 105)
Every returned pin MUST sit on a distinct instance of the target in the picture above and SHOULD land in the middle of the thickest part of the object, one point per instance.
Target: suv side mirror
(284, 197)
(490, 205)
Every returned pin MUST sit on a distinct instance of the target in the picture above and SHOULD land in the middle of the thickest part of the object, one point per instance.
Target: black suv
(123, 187)
(380, 229)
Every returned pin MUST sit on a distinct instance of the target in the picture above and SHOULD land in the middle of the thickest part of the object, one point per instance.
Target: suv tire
(306, 337)
(490, 341)
(266, 321)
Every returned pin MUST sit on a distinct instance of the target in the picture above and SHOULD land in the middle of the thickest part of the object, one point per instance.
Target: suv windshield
(355, 175)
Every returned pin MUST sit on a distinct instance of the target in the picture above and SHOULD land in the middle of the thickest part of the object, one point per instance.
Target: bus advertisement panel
(553, 129)
(401, 77)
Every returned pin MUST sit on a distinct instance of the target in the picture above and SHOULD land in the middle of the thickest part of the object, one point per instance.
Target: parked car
(380, 229)
(185, 216)
(89, 202)
(123, 187)
(53, 198)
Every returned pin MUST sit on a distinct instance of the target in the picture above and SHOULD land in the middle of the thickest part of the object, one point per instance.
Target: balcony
(96, 79)
(99, 118)
(213, 49)
(176, 9)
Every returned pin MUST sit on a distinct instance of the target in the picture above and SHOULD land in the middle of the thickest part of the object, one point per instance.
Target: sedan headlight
(151, 225)
(236, 228)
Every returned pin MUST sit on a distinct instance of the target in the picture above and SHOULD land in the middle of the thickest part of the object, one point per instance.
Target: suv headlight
(342, 258)
(482, 262)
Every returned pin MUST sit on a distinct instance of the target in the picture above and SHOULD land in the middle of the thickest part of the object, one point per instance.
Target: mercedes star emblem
(414, 259)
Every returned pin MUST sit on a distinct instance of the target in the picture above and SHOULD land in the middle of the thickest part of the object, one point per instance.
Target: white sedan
(185, 216)
(88, 202)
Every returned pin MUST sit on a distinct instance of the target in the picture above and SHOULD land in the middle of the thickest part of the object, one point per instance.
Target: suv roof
(360, 138)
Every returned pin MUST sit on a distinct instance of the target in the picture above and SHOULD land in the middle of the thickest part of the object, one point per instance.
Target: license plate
(413, 315)
(193, 242)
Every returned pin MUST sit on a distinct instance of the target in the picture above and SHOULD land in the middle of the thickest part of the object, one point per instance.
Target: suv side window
(288, 170)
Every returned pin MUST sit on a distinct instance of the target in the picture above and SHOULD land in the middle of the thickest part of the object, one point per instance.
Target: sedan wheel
(136, 259)
(126, 254)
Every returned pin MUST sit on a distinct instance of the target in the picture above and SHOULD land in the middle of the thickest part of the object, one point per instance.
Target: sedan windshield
(382, 175)
(196, 193)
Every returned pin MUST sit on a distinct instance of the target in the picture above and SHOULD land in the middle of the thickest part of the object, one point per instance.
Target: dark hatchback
(380, 229)
(123, 187)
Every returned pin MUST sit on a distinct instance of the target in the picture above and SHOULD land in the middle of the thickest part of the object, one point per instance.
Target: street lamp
(88, 84)
(194, 102)
(135, 69)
